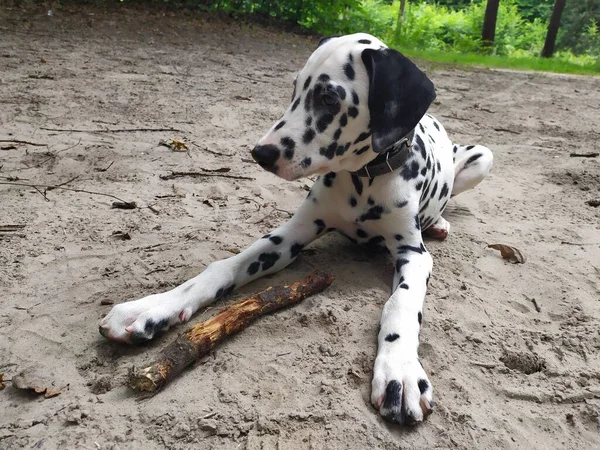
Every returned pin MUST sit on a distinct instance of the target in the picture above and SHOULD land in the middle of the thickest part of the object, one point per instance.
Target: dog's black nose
(266, 156)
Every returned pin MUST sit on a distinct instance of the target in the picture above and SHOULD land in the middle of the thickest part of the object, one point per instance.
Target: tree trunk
(489, 22)
(400, 18)
(548, 49)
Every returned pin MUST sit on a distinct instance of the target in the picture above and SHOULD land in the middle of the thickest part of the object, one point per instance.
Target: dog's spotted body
(353, 101)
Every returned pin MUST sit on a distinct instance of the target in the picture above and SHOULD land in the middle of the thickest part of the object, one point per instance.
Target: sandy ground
(299, 379)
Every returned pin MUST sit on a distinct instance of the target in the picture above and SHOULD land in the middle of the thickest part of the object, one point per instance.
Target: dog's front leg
(140, 320)
(401, 390)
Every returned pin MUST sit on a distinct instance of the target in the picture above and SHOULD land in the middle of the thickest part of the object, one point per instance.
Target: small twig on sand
(449, 116)
(174, 175)
(17, 141)
(584, 155)
(48, 187)
(202, 338)
(537, 307)
(579, 243)
(206, 149)
(10, 228)
(484, 364)
(105, 169)
(112, 130)
(507, 130)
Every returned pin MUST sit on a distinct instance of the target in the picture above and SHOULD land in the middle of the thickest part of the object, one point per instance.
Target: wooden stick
(174, 175)
(199, 340)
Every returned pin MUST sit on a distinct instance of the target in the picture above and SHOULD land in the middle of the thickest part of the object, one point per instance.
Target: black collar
(394, 157)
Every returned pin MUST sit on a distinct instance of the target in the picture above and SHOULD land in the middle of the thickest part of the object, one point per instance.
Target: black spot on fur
(276, 240)
(328, 179)
(398, 237)
(431, 138)
(361, 150)
(393, 395)
(423, 171)
(352, 202)
(420, 319)
(370, 201)
(362, 137)
(268, 259)
(374, 241)
(469, 147)
(353, 111)
(404, 286)
(279, 125)
(324, 121)
(421, 146)
(473, 158)
(399, 263)
(364, 41)
(419, 185)
(308, 136)
(435, 124)
(434, 189)
(324, 77)
(343, 120)
(354, 97)
(357, 184)
(306, 162)
(349, 71)
(224, 292)
(328, 152)
(421, 128)
(392, 337)
(373, 213)
(308, 121)
(444, 191)
(307, 83)
(253, 268)
(296, 249)
(341, 92)
(151, 327)
(295, 104)
(423, 384)
(337, 134)
(308, 100)
(417, 222)
(320, 226)
(341, 150)
(410, 248)
(401, 204)
(410, 171)
(439, 166)
(361, 233)
(289, 145)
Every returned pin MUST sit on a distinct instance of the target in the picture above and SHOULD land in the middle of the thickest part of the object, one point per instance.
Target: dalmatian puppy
(387, 170)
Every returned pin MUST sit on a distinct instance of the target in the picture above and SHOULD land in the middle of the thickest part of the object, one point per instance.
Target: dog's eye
(329, 100)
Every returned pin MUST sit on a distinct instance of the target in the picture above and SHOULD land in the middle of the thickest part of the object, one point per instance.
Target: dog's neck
(389, 160)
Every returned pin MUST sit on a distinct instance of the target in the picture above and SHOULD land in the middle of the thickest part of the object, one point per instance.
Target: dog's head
(352, 100)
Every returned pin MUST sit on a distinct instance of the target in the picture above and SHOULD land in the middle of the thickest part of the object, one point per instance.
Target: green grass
(526, 63)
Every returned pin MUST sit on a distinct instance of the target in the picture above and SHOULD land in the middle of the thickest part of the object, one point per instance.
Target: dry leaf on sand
(175, 144)
(30, 382)
(509, 253)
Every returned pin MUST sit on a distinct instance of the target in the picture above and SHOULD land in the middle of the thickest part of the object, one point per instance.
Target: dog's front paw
(140, 320)
(401, 391)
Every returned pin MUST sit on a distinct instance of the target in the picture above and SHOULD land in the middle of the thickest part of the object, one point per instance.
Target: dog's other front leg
(401, 390)
(140, 320)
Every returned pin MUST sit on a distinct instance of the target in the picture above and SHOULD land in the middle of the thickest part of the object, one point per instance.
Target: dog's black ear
(399, 95)
(325, 39)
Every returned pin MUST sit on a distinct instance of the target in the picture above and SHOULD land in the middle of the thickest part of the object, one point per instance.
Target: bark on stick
(205, 336)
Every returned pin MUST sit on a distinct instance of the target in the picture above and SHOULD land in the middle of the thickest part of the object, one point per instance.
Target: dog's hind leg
(140, 320)
(471, 165)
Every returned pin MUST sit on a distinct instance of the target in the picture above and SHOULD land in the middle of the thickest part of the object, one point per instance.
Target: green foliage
(438, 26)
